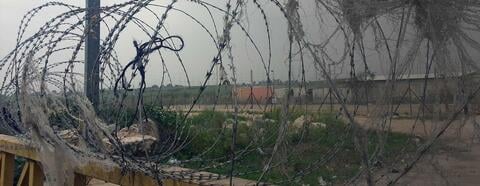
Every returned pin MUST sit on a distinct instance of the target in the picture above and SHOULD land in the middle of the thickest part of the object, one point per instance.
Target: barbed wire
(442, 28)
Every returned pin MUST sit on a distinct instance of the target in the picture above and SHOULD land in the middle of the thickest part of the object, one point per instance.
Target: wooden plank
(23, 179)
(31, 175)
(7, 169)
(112, 173)
(100, 169)
(14, 145)
(80, 180)
(35, 174)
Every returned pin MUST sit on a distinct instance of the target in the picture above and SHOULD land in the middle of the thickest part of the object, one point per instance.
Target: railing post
(80, 180)
(7, 169)
(92, 49)
(31, 175)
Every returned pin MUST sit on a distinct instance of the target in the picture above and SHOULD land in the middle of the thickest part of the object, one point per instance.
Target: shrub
(165, 119)
(208, 119)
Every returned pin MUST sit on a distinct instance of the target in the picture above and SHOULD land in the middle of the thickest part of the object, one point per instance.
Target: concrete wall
(440, 90)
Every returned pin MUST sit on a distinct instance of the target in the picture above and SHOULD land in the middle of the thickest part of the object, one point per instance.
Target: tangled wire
(430, 43)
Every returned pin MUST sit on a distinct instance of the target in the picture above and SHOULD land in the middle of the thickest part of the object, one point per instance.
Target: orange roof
(261, 94)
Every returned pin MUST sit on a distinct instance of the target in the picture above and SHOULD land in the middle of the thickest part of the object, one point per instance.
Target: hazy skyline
(199, 49)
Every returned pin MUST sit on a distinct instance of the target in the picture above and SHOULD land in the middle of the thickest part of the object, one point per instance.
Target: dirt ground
(455, 160)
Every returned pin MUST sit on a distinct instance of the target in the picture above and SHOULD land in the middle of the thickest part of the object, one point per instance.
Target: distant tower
(218, 73)
(251, 97)
(273, 96)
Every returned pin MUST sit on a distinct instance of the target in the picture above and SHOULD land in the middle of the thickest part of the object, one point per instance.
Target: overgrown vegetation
(211, 141)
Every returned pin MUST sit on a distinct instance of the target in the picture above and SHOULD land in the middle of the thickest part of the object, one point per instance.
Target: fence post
(7, 169)
(80, 180)
(31, 174)
(92, 49)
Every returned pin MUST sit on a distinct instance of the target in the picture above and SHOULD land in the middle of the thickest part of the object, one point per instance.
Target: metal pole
(274, 96)
(251, 97)
(330, 88)
(92, 49)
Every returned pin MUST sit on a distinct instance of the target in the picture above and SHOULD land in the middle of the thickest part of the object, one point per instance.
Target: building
(255, 94)
(405, 89)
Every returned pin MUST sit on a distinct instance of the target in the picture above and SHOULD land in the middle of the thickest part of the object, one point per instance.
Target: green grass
(212, 130)
(316, 143)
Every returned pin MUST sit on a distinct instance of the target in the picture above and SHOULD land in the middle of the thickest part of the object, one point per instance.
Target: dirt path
(455, 161)
(460, 167)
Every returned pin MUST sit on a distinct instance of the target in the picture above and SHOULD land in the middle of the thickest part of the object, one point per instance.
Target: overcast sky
(199, 49)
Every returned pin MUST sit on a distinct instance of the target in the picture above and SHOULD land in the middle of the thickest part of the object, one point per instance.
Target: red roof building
(260, 94)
